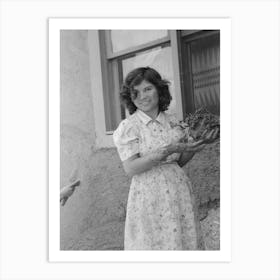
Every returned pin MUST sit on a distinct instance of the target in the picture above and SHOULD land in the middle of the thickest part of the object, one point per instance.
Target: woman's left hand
(209, 137)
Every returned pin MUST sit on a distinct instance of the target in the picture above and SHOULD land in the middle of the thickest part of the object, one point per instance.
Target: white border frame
(55, 254)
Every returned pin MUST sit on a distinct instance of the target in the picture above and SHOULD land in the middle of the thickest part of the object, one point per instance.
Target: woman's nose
(141, 94)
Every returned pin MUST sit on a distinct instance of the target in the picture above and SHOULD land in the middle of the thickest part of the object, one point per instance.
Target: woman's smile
(145, 102)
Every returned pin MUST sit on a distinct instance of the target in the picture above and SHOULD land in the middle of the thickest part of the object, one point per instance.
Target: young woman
(161, 213)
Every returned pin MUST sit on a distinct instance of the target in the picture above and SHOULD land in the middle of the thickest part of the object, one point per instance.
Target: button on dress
(161, 212)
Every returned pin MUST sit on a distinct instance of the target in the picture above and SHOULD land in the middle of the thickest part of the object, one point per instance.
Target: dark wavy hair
(135, 77)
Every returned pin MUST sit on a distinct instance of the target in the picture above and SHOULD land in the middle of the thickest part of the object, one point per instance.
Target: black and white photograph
(140, 139)
(162, 167)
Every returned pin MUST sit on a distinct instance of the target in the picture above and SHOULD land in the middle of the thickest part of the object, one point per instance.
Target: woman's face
(146, 97)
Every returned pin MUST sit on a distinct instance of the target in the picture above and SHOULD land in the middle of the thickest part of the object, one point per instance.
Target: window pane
(124, 39)
(158, 58)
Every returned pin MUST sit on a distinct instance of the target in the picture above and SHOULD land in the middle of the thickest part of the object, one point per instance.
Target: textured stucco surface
(77, 124)
(93, 217)
(204, 172)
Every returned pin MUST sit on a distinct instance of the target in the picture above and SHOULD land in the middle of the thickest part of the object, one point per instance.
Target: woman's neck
(152, 114)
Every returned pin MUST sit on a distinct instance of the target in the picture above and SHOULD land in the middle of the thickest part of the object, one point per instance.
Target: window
(126, 50)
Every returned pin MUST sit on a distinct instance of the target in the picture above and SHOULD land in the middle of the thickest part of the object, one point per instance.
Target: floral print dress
(161, 213)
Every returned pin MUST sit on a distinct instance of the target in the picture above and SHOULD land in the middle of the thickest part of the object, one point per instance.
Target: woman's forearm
(137, 165)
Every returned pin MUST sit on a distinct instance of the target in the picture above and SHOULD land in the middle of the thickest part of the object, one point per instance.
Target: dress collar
(146, 119)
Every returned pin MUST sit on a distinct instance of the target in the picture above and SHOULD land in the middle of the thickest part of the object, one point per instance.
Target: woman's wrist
(185, 157)
(159, 155)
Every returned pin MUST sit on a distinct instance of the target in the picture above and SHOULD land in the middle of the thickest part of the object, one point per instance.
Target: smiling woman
(161, 211)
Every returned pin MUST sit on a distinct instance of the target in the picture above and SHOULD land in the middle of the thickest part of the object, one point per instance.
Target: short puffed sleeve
(126, 139)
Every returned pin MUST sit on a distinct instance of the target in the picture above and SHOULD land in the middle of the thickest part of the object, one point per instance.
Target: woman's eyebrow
(143, 88)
